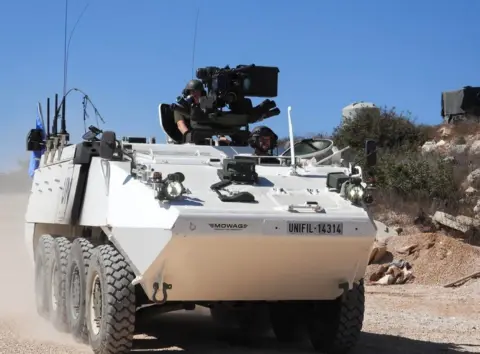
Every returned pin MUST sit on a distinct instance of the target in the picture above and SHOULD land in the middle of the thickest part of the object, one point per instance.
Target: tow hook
(165, 287)
(345, 287)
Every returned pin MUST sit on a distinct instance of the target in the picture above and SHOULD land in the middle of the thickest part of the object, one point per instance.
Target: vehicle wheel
(43, 258)
(77, 268)
(286, 322)
(57, 276)
(110, 306)
(335, 328)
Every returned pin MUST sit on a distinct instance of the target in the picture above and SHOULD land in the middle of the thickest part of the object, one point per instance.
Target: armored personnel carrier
(116, 227)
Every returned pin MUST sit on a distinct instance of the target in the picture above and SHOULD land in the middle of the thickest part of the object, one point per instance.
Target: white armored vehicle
(119, 227)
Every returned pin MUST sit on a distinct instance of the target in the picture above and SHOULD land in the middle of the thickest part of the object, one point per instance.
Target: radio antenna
(65, 26)
(67, 41)
(195, 42)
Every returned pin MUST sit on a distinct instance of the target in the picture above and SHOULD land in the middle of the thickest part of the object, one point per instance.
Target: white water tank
(350, 112)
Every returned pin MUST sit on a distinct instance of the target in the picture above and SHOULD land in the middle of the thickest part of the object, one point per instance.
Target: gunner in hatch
(264, 140)
(192, 91)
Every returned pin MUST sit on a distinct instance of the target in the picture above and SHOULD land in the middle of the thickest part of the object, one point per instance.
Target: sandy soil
(409, 318)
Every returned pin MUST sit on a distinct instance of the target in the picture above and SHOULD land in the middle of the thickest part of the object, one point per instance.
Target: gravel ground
(409, 318)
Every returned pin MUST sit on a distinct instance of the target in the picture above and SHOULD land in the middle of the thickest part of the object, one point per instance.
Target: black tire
(334, 328)
(57, 275)
(77, 268)
(110, 274)
(286, 322)
(43, 258)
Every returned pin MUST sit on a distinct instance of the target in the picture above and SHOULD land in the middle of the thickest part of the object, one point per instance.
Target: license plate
(311, 228)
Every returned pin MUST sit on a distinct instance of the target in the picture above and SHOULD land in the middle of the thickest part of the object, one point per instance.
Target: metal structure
(116, 227)
(351, 111)
(459, 105)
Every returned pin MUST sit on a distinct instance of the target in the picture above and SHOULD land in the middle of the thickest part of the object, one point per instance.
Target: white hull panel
(216, 268)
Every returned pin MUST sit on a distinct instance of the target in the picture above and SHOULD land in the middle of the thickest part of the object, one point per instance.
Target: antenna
(67, 43)
(48, 118)
(194, 42)
(292, 147)
(63, 124)
(55, 116)
(65, 49)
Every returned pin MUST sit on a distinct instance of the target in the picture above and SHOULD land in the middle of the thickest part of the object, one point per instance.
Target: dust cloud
(19, 320)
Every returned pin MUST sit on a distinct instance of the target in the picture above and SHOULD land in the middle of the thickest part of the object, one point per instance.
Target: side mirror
(371, 153)
(35, 140)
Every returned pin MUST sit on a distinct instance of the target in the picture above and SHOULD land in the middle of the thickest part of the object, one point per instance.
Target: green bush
(388, 128)
(412, 176)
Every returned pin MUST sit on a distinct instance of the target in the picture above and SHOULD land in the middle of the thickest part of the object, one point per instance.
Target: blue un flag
(36, 155)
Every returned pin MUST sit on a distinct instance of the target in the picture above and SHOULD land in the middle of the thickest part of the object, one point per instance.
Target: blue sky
(129, 56)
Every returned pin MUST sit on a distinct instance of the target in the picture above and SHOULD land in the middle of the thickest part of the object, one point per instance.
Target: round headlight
(174, 189)
(355, 193)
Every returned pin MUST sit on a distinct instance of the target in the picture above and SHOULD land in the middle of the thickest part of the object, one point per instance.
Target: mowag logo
(229, 227)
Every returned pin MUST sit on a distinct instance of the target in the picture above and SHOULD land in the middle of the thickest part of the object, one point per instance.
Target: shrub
(388, 128)
(410, 177)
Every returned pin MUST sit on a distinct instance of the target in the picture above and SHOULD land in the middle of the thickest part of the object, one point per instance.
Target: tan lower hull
(229, 268)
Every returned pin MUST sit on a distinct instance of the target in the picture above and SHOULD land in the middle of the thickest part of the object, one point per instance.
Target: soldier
(195, 90)
(264, 140)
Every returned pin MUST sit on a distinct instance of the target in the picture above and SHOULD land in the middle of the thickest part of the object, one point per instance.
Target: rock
(428, 147)
(475, 148)
(476, 208)
(466, 220)
(458, 149)
(460, 223)
(379, 273)
(470, 191)
(404, 276)
(383, 232)
(379, 250)
(399, 230)
(445, 132)
(385, 280)
(474, 177)
(397, 272)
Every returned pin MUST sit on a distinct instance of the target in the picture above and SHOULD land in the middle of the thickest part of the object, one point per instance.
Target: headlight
(173, 189)
(355, 193)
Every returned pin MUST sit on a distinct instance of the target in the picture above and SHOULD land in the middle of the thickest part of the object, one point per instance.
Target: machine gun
(226, 87)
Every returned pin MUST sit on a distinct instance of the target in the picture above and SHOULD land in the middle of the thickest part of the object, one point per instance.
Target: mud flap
(345, 286)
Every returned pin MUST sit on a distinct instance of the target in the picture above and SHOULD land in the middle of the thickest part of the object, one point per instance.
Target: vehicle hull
(231, 266)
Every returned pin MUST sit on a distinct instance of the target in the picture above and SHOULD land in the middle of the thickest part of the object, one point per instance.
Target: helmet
(262, 131)
(195, 85)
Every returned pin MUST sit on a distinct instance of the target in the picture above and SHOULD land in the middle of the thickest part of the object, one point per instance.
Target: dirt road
(399, 319)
